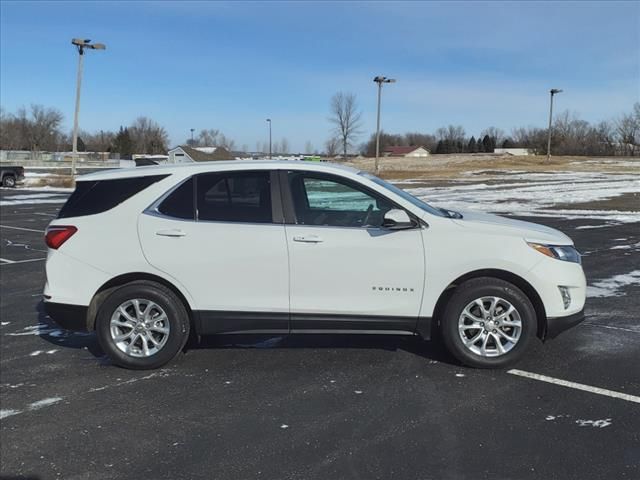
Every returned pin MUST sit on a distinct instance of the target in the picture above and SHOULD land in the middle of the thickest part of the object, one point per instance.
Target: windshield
(406, 195)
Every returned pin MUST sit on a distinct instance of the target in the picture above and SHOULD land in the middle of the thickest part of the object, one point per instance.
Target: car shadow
(49, 331)
(428, 349)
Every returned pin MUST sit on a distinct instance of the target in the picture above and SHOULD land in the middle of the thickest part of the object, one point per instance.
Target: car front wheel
(488, 323)
(9, 181)
(142, 325)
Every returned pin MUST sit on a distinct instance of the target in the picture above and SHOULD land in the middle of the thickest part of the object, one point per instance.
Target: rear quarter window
(91, 197)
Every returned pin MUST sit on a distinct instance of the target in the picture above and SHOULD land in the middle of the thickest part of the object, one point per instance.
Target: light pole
(380, 80)
(552, 92)
(192, 130)
(269, 122)
(81, 45)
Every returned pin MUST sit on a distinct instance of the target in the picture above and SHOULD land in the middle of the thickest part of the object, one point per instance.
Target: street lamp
(380, 80)
(80, 45)
(552, 92)
(269, 122)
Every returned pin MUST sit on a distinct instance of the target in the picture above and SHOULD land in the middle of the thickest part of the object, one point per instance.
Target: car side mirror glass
(397, 219)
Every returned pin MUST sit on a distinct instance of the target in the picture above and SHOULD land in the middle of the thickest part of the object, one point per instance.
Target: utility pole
(552, 92)
(269, 122)
(380, 80)
(81, 45)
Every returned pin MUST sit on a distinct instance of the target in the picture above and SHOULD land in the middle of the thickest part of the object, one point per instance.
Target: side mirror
(396, 219)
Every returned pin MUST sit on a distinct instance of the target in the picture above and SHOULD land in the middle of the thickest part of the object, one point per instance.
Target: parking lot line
(577, 386)
(21, 228)
(11, 262)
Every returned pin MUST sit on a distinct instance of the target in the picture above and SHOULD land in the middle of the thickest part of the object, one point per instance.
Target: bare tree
(331, 146)
(208, 138)
(308, 147)
(347, 119)
(45, 127)
(284, 146)
(496, 134)
(148, 136)
(628, 131)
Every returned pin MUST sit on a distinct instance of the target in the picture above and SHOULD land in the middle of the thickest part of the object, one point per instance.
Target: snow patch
(611, 287)
(605, 422)
(537, 194)
(46, 402)
(8, 413)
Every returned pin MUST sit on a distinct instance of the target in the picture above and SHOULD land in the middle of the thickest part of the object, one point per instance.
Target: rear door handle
(171, 233)
(307, 239)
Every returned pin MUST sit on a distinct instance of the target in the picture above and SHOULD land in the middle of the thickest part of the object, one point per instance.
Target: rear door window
(91, 197)
(234, 197)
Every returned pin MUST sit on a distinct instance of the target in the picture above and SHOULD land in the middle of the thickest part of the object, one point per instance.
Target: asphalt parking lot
(318, 408)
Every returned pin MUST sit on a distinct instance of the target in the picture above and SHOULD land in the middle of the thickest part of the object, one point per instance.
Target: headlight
(567, 253)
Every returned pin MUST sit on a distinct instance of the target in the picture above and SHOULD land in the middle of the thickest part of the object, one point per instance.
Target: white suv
(146, 256)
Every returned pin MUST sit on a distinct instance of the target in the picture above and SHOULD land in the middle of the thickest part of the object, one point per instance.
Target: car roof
(215, 166)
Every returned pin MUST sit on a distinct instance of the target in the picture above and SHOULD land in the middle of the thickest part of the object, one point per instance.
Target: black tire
(9, 181)
(467, 293)
(166, 299)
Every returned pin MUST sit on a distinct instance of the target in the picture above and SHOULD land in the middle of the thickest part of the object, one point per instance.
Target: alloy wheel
(490, 326)
(139, 327)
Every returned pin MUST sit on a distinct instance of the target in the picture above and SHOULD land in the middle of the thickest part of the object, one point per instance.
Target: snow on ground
(611, 287)
(536, 194)
(53, 196)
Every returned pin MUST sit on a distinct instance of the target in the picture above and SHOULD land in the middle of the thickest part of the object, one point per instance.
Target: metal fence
(30, 158)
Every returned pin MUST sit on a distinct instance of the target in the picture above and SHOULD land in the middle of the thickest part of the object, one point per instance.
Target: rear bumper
(557, 325)
(70, 317)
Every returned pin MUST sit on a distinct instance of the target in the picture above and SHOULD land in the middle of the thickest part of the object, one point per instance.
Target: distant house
(186, 154)
(513, 151)
(408, 152)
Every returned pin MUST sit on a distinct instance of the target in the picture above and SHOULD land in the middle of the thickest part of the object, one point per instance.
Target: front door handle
(171, 233)
(307, 239)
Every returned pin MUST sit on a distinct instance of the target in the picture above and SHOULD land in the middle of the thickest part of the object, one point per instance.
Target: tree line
(40, 129)
(570, 135)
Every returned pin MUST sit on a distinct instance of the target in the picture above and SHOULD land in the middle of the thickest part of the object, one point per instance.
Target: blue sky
(231, 65)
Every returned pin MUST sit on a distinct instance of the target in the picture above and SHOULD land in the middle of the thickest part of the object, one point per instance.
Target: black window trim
(277, 214)
(63, 211)
(289, 206)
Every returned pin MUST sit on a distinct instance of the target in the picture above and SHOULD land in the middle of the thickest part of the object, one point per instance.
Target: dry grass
(450, 167)
(58, 181)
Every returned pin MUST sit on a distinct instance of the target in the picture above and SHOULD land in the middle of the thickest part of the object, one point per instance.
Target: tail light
(58, 234)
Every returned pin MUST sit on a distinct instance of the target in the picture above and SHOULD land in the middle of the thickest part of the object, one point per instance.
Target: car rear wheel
(9, 181)
(488, 323)
(142, 325)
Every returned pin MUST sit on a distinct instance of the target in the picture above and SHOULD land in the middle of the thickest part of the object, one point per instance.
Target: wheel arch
(104, 291)
(507, 276)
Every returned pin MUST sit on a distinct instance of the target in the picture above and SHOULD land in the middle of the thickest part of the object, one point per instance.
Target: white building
(513, 151)
(186, 154)
(407, 152)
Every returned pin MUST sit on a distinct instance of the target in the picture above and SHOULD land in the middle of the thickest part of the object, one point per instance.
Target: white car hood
(527, 230)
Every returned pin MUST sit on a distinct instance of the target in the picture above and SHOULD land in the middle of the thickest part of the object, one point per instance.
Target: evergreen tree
(440, 147)
(488, 144)
(81, 145)
(122, 143)
(508, 143)
(471, 146)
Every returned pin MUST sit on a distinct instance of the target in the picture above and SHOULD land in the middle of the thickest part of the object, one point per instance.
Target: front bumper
(557, 325)
(70, 317)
